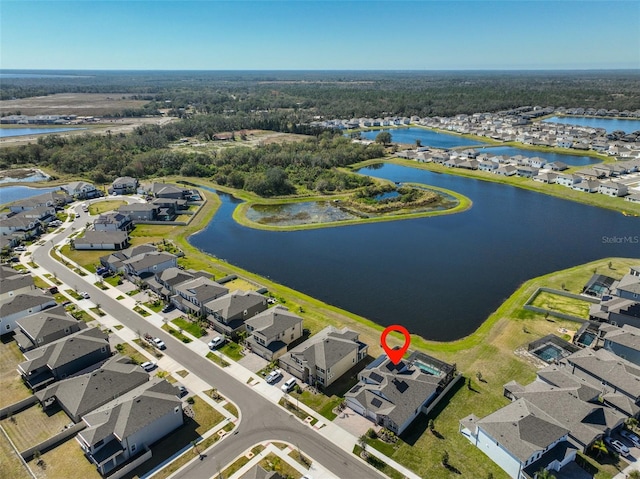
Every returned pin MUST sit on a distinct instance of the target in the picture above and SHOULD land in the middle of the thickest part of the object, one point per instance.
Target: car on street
(273, 376)
(159, 343)
(85, 295)
(216, 342)
(617, 446)
(289, 385)
(148, 366)
(631, 437)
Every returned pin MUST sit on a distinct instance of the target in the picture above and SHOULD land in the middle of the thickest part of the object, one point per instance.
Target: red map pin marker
(395, 355)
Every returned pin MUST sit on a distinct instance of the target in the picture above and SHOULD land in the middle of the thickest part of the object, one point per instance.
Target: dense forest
(346, 94)
(276, 169)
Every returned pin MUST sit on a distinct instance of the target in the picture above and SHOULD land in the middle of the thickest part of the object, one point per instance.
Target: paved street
(261, 419)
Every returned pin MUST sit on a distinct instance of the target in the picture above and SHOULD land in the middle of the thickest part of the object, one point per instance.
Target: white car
(273, 376)
(148, 366)
(20, 248)
(289, 385)
(85, 295)
(159, 343)
(216, 342)
(631, 437)
(617, 445)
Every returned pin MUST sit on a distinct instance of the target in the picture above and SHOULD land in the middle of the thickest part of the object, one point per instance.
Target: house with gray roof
(113, 222)
(81, 190)
(82, 394)
(169, 278)
(64, 357)
(45, 327)
(518, 436)
(629, 287)
(257, 472)
(140, 211)
(227, 314)
(624, 342)
(124, 185)
(192, 294)
(147, 264)
(18, 224)
(22, 305)
(102, 240)
(162, 190)
(127, 426)
(613, 309)
(323, 358)
(393, 395)
(13, 283)
(272, 331)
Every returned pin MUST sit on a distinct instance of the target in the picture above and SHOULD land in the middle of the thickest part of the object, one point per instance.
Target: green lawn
(104, 206)
(192, 328)
(219, 361)
(176, 334)
(275, 463)
(319, 402)
(232, 350)
(383, 467)
(562, 304)
(141, 311)
(155, 306)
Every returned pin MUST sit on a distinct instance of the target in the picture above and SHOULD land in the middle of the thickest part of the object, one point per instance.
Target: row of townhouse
(604, 178)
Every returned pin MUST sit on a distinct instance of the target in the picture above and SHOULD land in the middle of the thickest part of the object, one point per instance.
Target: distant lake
(9, 132)
(570, 160)
(427, 137)
(441, 276)
(609, 124)
(9, 194)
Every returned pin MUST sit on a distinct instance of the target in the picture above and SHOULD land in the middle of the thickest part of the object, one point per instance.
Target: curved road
(261, 419)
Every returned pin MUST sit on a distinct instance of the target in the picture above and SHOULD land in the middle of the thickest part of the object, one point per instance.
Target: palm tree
(544, 474)
(599, 447)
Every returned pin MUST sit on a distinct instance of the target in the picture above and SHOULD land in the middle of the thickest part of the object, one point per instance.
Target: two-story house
(22, 305)
(322, 359)
(227, 314)
(272, 331)
(193, 294)
(45, 327)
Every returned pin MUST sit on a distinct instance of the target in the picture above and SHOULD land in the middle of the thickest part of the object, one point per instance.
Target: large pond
(609, 124)
(440, 277)
(427, 137)
(10, 132)
(9, 194)
(571, 160)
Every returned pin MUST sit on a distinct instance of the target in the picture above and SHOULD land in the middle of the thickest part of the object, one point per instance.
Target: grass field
(12, 387)
(10, 465)
(275, 463)
(64, 461)
(83, 104)
(33, 425)
(562, 304)
(104, 206)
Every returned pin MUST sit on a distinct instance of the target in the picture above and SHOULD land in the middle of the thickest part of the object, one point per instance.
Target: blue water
(427, 137)
(609, 124)
(387, 195)
(9, 194)
(9, 132)
(440, 277)
(571, 160)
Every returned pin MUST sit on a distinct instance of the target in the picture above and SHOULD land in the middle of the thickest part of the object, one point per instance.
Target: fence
(18, 406)
(557, 314)
(443, 394)
(131, 465)
(15, 451)
(53, 440)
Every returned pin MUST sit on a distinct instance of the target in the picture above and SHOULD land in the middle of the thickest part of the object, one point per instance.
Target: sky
(319, 35)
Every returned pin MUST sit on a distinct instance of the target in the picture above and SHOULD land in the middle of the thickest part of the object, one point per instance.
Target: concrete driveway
(354, 422)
